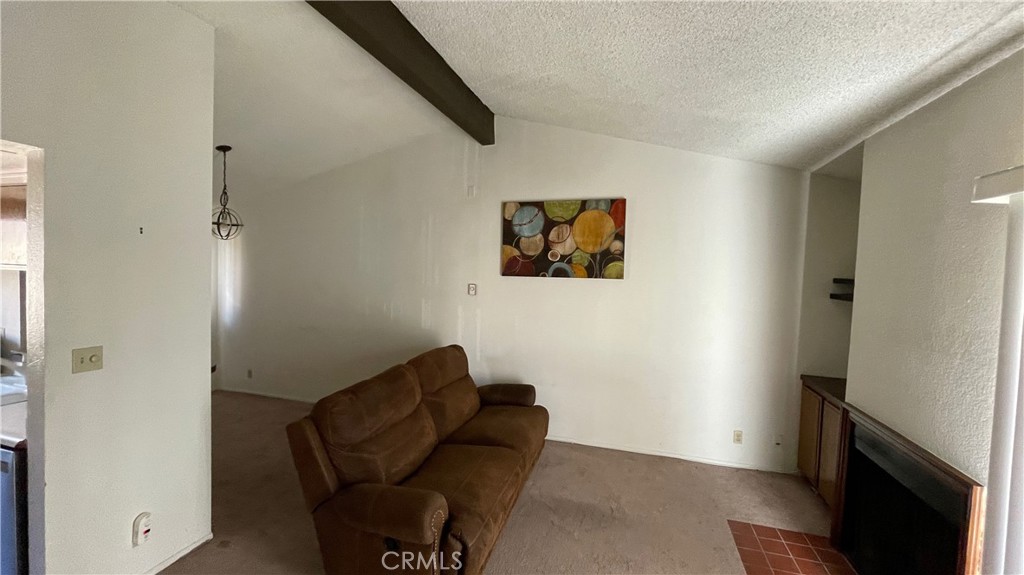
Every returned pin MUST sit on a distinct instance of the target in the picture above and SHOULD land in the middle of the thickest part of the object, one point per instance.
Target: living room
(761, 151)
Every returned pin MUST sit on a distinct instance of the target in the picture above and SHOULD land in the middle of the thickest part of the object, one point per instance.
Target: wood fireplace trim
(969, 551)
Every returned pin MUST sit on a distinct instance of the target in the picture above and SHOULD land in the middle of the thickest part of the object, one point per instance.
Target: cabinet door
(810, 422)
(828, 464)
(13, 229)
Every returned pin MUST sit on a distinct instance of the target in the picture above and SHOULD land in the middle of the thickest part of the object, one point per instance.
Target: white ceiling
(13, 168)
(12, 163)
(295, 97)
(791, 84)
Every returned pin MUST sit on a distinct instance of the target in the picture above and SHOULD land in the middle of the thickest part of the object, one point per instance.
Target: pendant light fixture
(226, 223)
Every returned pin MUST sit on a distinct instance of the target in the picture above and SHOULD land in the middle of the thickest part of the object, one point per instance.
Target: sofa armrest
(507, 394)
(402, 513)
(316, 475)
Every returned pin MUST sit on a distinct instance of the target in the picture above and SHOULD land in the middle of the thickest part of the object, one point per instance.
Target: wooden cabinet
(807, 448)
(13, 229)
(828, 454)
(820, 428)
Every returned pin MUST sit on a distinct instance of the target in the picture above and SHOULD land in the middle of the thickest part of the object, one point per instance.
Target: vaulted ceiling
(786, 83)
(296, 98)
(791, 83)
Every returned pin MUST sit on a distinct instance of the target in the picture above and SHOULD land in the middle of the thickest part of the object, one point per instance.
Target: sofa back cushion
(378, 430)
(448, 391)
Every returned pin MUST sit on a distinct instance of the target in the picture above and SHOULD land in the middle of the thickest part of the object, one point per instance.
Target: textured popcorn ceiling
(296, 97)
(792, 84)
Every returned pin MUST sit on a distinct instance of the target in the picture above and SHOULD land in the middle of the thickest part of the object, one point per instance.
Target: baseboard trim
(603, 445)
(188, 549)
(664, 453)
(267, 394)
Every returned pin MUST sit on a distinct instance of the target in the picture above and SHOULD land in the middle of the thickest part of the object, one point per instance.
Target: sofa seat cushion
(519, 428)
(481, 483)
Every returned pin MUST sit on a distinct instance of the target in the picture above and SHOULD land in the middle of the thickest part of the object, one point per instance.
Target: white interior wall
(929, 268)
(120, 97)
(366, 266)
(830, 252)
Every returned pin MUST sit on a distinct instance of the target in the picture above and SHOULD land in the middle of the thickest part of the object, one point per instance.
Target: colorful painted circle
(509, 209)
(617, 247)
(618, 214)
(518, 266)
(532, 245)
(554, 256)
(580, 271)
(593, 231)
(561, 270)
(602, 205)
(562, 210)
(581, 258)
(507, 252)
(560, 239)
(527, 221)
(614, 270)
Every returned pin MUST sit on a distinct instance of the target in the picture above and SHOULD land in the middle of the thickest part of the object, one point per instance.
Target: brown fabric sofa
(416, 463)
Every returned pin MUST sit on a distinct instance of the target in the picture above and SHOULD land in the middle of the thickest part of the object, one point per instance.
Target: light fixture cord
(224, 192)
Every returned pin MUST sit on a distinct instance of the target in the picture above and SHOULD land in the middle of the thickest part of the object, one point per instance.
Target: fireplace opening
(902, 509)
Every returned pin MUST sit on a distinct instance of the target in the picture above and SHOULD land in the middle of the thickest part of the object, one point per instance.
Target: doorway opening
(22, 350)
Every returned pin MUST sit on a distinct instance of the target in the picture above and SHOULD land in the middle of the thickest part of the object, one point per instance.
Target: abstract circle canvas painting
(564, 238)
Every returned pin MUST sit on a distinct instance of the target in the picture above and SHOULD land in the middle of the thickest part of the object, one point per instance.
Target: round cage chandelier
(226, 222)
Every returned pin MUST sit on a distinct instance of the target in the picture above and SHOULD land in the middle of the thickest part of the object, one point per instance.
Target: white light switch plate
(86, 359)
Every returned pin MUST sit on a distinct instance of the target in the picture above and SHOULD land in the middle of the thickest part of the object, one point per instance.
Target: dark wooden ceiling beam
(383, 31)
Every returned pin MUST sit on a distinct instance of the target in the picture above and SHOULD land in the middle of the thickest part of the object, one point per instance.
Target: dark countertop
(833, 389)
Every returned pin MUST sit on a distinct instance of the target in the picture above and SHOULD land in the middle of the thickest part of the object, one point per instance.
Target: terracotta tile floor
(771, 551)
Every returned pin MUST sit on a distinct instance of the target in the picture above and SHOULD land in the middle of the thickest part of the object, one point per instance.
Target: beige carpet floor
(584, 510)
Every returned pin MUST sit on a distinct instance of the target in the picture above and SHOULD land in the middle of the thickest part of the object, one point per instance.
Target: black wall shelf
(846, 296)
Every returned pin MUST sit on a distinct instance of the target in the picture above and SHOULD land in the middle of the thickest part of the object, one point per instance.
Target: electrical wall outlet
(248, 374)
(737, 436)
(141, 528)
(86, 359)
(471, 289)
